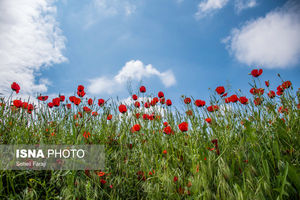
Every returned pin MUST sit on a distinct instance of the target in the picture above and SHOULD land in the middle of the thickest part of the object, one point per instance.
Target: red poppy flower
(164, 152)
(220, 90)
(15, 87)
(160, 94)
(56, 102)
(142, 89)
(50, 104)
(175, 179)
(199, 103)
(183, 126)
(68, 106)
(77, 101)
(72, 99)
(147, 105)
(102, 181)
(86, 135)
(227, 100)
(215, 142)
(62, 98)
(17, 103)
(267, 83)
(280, 90)
(213, 108)
(24, 105)
(30, 108)
(153, 102)
(145, 116)
(86, 109)
(151, 117)
(243, 100)
(271, 94)
(208, 120)
(233, 98)
(260, 91)
(42, 98)
(257, 101)
(165, 124)
(95, 114)
(134, 97)
(162, 100)
(281, 109)
(136, 128)
(101, 102)
(137, 104)
(80, 93)
(187, 100)
(90, 102)
(109, 117)
(168, 102)
(256, 72)
(122, 108)
(137, 115)
(253, 91)
(286, 84)
(189, 112)
(80, 88)
(168, 130)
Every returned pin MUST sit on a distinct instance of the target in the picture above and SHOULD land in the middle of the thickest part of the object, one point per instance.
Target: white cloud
(100, 9)
(244, 4)
(272, 41)
(208, 7)
(133, 70)
(29, 39)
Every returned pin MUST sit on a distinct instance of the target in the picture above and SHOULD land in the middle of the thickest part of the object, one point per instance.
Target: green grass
(258, 151)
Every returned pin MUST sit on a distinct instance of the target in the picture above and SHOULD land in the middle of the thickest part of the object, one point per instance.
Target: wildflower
(256, 72)
(102, 181)
(145, 116)
(101, 102)
(62, 98)
(187, 100)
(243, 100)
(24, 105)
(90, 102)
(80, 94)
(137, 115)
(86, 109)
(77, 101)
(142, 89)
(271, 94)
(183, 126)
(137, 104)
(286, 84)
(165, 124)
(280, 90)
(109, 117)
(165, 152)
(147, 105)
(56, 102)
(17, 103)
(160, 94)
(100, 174)
(42, 98)
(80, 88)
(233, 98)
(162, 100)
(168, 102)
(15, 87)
(94, 114)
(208, 120)
(86, 135)
(220, 90)
(136, 128)
(189, 112)
(168, 130)
(267, 83)
(50, 104)
(175, 179)
(30, 108)
(213, 108)
(134, 97)
(122, 108)
(199, 103)
(72, 99)
(257, 101)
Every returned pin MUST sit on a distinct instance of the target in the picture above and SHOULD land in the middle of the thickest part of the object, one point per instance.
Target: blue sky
(100, 36)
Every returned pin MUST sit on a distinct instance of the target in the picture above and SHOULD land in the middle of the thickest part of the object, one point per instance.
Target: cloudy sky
(177, 46)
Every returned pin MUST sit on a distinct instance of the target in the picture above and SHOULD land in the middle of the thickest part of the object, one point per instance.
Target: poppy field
(242, 145)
